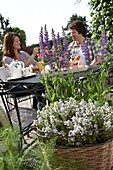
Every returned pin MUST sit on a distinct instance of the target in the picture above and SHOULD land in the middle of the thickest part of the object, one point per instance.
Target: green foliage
(75, 17)
(6, 27)
(62, 87)
(101, 13)
(38, 156)
(10, 158)
(45, 152)
(4, 24)
(95, 87)
(59, 87)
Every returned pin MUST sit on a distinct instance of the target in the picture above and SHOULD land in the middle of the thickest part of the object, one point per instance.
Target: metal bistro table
(12, 89)
(31, 86)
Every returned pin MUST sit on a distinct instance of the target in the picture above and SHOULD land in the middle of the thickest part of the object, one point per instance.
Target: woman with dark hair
(12, 50)
(83, 46)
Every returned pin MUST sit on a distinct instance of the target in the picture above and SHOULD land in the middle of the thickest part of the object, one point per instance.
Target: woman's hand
(30, 60)
(35, 51)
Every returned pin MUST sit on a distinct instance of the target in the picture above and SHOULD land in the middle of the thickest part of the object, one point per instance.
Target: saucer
(22, 77)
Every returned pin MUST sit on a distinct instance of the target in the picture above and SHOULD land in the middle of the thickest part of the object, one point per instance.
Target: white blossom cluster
(77, 122)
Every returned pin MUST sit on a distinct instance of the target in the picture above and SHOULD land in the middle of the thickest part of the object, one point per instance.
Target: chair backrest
(4, 73)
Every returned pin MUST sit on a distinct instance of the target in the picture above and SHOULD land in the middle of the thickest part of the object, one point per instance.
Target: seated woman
(12, 51)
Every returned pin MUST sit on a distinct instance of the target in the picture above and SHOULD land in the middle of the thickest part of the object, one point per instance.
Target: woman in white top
(11, 50)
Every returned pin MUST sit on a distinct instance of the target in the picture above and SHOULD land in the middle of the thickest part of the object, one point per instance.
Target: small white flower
(52, 119)
(46, 122)
(76, 120)
(71, 133)
(40, 120)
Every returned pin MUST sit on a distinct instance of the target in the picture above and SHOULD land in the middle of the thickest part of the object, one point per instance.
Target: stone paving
(27, 115)
(26, 105)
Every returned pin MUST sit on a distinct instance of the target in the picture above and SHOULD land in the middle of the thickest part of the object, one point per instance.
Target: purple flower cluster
(46, 38)
(55, 42)
(111, 45)
(47, 48)
(64, 38)
(111, 57)
(57, 53)
(104, 45)
(86, 53)
(66, 54)
(106, 53)
(106, 48)
(41, 42)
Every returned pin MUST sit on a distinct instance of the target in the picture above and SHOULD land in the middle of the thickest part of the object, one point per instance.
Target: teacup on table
(26, 71)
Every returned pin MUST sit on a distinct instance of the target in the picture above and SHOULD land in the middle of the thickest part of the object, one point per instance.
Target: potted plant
(84, 131)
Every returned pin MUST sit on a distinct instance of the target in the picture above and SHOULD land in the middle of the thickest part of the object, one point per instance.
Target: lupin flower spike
(41, 42)
(55, 54)
(104, 45)
(85, 51)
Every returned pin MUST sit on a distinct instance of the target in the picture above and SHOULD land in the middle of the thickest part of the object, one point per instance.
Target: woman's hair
(8, 44)
(79, 26)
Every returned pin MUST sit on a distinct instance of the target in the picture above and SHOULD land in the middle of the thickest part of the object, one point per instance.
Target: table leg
(19, 122)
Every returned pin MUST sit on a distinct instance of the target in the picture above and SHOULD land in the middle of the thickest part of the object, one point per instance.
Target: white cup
(26, 71)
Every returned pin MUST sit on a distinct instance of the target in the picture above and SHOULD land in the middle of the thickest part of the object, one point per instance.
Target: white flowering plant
(75, 123)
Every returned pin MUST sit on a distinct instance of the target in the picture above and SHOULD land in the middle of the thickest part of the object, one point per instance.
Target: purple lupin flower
(111, 51)
(66, 54)
(54, 39)
(56, 57)
(59, 44)
(111, 44)
(47, 49)
(59, 50)
(86, 53)
(104, 45)
(47, 42)
(106, 50)
(41, 42)
(46, 37)
(58, 39)
(64, 38)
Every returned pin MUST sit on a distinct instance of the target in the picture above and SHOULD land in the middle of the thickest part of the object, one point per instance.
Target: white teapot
(16, 68)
